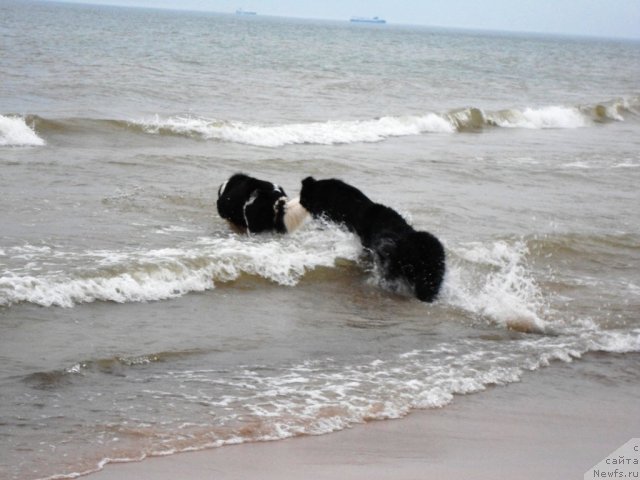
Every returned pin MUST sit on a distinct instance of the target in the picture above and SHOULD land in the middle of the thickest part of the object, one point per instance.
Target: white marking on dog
(294, 214)
(221, 189)
(252, 199)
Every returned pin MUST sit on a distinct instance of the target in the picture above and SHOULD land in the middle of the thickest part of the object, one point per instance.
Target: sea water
(134, 323)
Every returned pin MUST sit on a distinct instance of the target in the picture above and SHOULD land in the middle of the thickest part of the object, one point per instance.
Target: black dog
(252, 205)
(418, 258)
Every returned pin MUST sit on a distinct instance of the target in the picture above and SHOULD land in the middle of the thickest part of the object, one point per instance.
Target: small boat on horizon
(368, 20)
(242, 11)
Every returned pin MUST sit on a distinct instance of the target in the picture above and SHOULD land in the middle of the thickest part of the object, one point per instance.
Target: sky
(599, 18)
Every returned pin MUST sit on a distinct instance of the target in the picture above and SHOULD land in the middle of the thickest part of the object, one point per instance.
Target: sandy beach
(555, 424)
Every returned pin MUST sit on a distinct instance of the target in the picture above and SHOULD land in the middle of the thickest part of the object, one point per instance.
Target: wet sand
(554, 424)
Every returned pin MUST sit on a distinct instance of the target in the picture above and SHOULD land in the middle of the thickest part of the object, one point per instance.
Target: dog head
(308, 198)
(421, 258)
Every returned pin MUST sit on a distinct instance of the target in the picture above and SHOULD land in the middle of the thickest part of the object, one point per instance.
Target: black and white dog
(255, 206)
(413, 257)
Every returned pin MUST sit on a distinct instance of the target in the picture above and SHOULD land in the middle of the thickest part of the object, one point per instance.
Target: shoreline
(555, 423)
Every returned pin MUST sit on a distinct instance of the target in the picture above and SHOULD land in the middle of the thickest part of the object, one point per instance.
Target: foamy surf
(491, 281)
(15, 132)
(332, 132)
(159, 274)
(252, 403)
(494, 281)
(321, 133)
(541, 118)
(19, 131)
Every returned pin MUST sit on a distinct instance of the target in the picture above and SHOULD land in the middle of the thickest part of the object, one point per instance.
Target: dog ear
(307, 182)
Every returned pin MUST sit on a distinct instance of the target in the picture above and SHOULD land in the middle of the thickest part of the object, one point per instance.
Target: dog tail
(294, 214)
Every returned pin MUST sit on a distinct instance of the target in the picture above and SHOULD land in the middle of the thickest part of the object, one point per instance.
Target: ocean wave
(375, 130)
(593, 251)
(139, 275)
(611, 341)
(516, 282)
(491, 281)
(15, 132)
(539, 118)
(52, 379)
(338, 131)
(495, 282)
(251, 403)
(320, 133)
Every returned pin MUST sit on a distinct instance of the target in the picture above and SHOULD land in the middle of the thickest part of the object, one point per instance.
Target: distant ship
(368, 20)
(240, 11)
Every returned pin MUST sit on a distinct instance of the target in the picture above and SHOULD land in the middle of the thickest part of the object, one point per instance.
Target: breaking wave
(491, 281)
(375, 130)
(253, 403)
(336, 131)
(321, 133)
(148, 275)
(15, 132)
(495, 282)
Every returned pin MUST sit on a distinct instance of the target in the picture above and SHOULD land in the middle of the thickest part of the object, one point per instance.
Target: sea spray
(493, 281)
(14, 132)
(489, 280)
(146, 275)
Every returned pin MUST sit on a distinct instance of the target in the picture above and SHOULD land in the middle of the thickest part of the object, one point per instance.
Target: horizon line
(388, 23)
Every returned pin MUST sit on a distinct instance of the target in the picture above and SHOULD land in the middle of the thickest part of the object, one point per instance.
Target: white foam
(612, 341)
(627, 164)
(333, 132)
(577, 165)
(324, 133)
(138, 275)
(14, 132)
(541, 118)
(320, 396)
(173, 229)
(323, 396)
(613, 111)
(493, 281)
